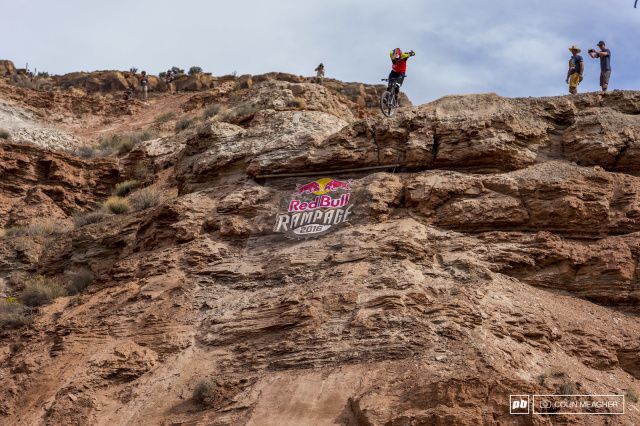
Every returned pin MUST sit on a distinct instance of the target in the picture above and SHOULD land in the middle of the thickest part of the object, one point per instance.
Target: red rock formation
(500, 257)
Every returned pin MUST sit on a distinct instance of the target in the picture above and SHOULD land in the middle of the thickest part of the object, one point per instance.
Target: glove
(412, 53)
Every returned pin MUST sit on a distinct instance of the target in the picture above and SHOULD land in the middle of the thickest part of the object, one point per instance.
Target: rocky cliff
(491, 249)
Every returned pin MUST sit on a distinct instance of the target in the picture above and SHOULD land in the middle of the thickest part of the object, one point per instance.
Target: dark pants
(395, 76)
(604, 79)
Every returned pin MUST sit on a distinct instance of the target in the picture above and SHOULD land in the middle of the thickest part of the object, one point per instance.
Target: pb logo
(519, 404)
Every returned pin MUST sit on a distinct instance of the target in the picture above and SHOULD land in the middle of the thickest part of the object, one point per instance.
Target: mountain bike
(389, 99)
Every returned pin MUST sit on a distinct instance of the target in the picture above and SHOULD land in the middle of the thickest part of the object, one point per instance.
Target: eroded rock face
(500, 258)
(7, 68)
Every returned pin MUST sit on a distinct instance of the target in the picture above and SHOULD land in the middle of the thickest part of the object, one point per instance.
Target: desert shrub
(43, 74)
(167, 116)
(13, 314)
(79, 280)
(142, 172)
(240, 114)
(133, 70)
(15, 231)
(541, 379)
(557, 372)
(177, 70)
(123, 189)
(195, 70)
(41, 291)
(38, 228)
(162, 75)
(211, 110)
(142, 136)
(632, 395)
(117, 205)
(86, 151)
(43, 228)
(567, 388)
(125, 142)
(4, 134)
(124, 146)
(184, 123)
(298, 103)
(83, 219)
(146, 198)
(205, 392)
(26, 84)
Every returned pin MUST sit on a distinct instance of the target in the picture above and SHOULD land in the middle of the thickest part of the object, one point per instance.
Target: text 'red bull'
(320, 202)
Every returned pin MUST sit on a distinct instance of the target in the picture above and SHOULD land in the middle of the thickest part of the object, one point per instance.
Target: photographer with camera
(605, 64)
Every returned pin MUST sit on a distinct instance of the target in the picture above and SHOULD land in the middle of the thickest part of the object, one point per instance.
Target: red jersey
(400, 65)
(399, 60)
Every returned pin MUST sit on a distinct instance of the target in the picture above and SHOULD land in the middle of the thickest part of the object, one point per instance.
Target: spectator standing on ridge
(576, 70)
(320, 73)
(605, 64)
(169, 77)
(144, 84)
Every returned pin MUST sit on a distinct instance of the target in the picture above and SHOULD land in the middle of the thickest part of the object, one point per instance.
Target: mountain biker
(399, 66)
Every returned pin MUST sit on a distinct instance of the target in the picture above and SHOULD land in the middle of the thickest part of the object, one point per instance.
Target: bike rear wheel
(388, 104)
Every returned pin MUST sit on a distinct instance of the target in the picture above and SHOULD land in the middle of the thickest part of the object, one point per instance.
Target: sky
(511, 47)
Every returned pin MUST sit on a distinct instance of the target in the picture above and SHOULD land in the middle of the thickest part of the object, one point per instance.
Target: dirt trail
(145, 115)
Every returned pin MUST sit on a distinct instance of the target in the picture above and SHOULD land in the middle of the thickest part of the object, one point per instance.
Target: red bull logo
(316, 207)
(323, 186)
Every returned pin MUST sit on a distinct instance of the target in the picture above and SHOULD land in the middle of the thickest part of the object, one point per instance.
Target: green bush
(167, 116)
(41, 291)
(117, 205)
(184, 123)
(4, 134)
(123, 189)
(146, 198)
(195, 70)
(83, 219)
(13, 314)
(79, 280)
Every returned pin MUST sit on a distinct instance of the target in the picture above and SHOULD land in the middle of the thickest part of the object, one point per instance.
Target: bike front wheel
(388, 104)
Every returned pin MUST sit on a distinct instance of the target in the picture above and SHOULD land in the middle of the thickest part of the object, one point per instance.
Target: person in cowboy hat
(576, 70)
